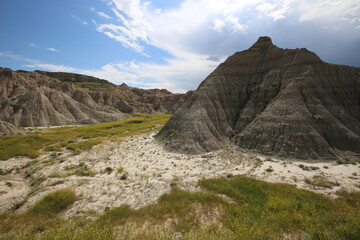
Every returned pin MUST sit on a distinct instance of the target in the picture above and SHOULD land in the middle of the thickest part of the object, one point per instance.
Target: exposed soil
(137, 171)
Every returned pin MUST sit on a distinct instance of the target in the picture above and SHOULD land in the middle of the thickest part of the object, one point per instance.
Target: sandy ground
(137, 171)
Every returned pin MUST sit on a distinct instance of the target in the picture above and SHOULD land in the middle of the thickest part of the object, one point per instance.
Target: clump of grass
(36, 181)
(80, 170)
(84, 145)
(308, 168)
(116, 215)
(53, 148)
(54, 202)
(321, 181)
(347, 161)
(108, 170)
(269, 169)
(55, 175)
(85, 173)
(120, 170)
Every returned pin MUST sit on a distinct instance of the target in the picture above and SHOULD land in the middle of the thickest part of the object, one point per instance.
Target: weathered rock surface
(33, 99)
(284, 102)
(124, 98)
(42, 99)
(7, 129)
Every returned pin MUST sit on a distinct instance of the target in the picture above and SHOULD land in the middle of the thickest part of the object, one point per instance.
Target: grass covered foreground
(236, 208)
(78, 138)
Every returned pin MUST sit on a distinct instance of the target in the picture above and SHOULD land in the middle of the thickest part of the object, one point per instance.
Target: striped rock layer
(283, 102)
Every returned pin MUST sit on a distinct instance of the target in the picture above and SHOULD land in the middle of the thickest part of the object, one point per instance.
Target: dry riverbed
(136, 171)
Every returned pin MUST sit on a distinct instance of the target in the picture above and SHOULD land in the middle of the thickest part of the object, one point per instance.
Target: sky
(172, 44)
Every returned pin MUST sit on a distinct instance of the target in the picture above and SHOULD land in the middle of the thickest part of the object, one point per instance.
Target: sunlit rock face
(283, 102)
(42, 99)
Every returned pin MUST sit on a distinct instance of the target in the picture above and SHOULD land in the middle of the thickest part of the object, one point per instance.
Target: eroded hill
(284, 102)
(40, 98)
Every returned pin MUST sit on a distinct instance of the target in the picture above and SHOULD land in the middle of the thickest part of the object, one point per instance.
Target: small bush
(108, 170)
(54, 202)
(85, 173)
(120, 169)
(308, 168)
(347, 161)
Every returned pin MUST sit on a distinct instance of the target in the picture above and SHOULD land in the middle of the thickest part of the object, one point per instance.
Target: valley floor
(136, 171)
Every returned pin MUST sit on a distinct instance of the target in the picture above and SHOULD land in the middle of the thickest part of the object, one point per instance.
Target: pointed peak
(263, 43)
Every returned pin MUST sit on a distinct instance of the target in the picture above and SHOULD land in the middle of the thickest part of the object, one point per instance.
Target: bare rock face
(43, 99)
(7, 129)
(284, 102)
(123, 97)
(33, 99)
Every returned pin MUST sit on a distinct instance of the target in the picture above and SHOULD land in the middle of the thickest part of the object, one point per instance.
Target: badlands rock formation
(284, 102)
(51, 99)
(7, 129)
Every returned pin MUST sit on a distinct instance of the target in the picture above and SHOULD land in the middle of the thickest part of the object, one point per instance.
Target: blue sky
(171, 44)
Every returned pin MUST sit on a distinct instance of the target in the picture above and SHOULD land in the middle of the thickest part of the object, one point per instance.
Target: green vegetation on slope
(29, 145)
(54, 202)
(237, 208)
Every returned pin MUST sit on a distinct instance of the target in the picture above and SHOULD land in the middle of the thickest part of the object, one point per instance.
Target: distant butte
(274, 101)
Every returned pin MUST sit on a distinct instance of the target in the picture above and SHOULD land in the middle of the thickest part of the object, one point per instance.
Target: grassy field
(56, 138)
(236, 208)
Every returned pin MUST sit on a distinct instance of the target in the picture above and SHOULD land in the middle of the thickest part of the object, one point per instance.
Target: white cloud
(194, 31)
(33, 45)
(151, 75)
(146, 75)
(104, 15)
(50, 67)
(199, 30)
(19, 57)
(330, 10)
(52, 49)
(276, 11)
(79, 19)
(134, 30)
(101, 14)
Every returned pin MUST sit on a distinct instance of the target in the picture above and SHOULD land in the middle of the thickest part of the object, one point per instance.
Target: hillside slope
(52, 99)
(284, 102)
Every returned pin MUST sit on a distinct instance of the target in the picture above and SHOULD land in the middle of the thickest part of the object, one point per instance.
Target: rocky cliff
(52, 99)
(284, 102)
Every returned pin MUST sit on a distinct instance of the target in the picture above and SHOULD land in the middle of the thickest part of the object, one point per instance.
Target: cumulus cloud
(274, 10)
(199, 34)
(134, 26)
(138, 74)
(347, 10)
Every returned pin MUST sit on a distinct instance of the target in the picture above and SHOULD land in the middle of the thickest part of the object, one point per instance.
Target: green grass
(348, 161)
(54, 202)
(272, 211)
(252, 209)
(55, 138)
